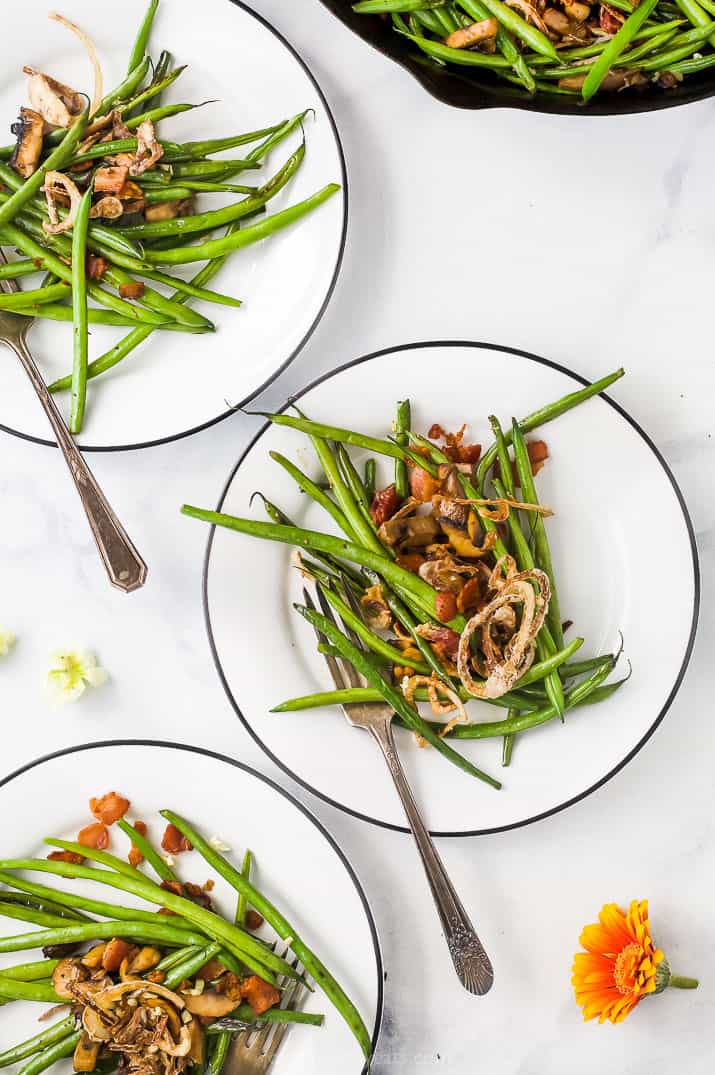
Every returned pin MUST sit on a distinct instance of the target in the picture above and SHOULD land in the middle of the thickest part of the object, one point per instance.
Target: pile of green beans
(595, 49)
(135, 250)
(190, 938)
(553, 685)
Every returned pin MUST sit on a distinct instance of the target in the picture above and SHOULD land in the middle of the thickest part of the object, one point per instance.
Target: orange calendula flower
(621, 964)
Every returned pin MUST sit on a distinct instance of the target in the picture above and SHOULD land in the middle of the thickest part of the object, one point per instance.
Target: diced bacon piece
(422, 485)
(109, 808)
(445, 606)
(133, 290)
(95, 836)
(135, 857)
(384, 505)
(259, 994)
(66, 856)
(111, 180)
(174, 842)
(96, 266)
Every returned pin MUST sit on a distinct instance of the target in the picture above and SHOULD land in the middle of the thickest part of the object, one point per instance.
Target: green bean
(125, 89)
(688, 67)
(357, 527)
(390, 694)
(242, 902)
(615, 47)
(373, 641)
(244, 1017)
(54, 162)
(157, 863)
(125, 347)
(50, 1055)
(373, 7)
(576, 696)
(403, 422)
(276, 136)
(17, 299)
(142, 38)
(54, 312)
(71, 900)
(91, 931)
(477, 12)
(463, 57)
(219, 217)
(38, 1042)
(664, 60)
(156, 87)
(162, 69)
(80, 333)
(212, 169)
(14, 269)
(178, 956)
(508, 743)
(20, 239)
(197, 186)
(29, 972)
(28, 913)
(251, 951)
(547, 414)
(369, 479)
(311, 488)
(207, 147)
(42, 901)
(343, 436)
(219, 1052)
(354, 483)
(347, 695)
(246, 236)
(695, 14)
(38, 991)
(188, 967)
(159, 113)
(334, 546)
(541, 542)
(283, 928)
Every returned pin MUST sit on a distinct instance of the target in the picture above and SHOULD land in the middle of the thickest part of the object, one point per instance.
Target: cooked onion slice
(55, 226)
(98, 93)
(149, 152)
(440, 709)
(518, 653)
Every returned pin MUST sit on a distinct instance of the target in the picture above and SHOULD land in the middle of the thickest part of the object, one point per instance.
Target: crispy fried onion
(375, 609)
(98, 92)
(502, 505)
(508, 649)
(435, 687)
(53, 180)
(149, 152)
(530, 13)
(107, 208)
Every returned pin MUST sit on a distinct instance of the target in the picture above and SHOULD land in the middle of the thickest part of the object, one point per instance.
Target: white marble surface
(591, 242)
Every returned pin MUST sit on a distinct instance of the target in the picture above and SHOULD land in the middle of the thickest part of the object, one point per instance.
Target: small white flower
(7, 641)
(70, 674)
(218, 845)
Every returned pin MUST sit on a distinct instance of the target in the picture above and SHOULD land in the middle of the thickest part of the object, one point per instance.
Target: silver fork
(252, 1052)
(471, 962)
(124, 566)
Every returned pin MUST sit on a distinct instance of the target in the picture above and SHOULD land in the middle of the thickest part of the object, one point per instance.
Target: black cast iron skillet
(477, 89)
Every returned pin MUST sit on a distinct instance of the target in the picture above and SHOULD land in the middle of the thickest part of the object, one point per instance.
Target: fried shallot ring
(440, 709)
(502, 507)
(519, 651)
(149, 151)
(98, 92)
(55, 226)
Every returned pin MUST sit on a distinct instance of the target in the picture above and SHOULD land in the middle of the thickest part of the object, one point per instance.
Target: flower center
(627, 966)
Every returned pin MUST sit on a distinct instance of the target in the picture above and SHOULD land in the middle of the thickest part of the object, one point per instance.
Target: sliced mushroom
(108, 208)
(86, 1053)
(210, 1004)
(182, 1047)
(29, 130)
(95, 1026)
(197, 1052)
(67, 974)
(56, 103)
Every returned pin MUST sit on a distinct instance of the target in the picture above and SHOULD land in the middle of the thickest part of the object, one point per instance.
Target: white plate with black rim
(603, 469)
(175, 384)
(297, 864)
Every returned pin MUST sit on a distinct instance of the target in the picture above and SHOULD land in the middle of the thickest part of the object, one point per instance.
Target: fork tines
(253, 1051)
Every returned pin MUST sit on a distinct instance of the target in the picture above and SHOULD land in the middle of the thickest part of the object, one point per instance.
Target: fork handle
(124, 566)
(471, 962)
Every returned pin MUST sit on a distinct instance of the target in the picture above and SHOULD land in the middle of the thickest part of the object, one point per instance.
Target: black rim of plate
(391, 352)
(311, 328)
(168, 745)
